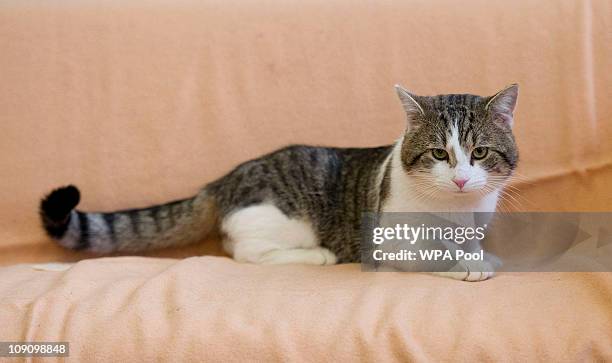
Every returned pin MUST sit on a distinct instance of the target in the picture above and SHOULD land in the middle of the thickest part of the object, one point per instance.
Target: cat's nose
(460, 182)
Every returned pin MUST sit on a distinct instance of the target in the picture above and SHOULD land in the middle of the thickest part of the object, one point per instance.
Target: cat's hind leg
(264, 234)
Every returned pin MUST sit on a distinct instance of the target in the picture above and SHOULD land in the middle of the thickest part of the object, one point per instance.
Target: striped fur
(177, 223)
(327, 188)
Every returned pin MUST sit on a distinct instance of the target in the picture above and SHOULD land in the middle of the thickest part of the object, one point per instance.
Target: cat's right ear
(410, 104)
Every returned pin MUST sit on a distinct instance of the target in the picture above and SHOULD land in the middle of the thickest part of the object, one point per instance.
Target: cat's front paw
(470, 271)
(476, 270)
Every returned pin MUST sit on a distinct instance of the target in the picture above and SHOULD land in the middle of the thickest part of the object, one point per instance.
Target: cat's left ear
(502, 104)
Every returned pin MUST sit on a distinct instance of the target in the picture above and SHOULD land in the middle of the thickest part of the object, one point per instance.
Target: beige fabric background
(206, 309)
(142, 102)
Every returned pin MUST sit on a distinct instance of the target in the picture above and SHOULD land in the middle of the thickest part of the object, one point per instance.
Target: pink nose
(460, 182)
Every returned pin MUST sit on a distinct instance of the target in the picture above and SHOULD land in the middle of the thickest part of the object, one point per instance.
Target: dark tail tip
(55, 209)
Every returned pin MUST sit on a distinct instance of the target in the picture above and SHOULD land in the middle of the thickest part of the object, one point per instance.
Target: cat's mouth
(463, 192)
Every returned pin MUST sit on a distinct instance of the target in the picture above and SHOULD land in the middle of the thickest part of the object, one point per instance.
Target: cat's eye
(480, 152)
(439, 154)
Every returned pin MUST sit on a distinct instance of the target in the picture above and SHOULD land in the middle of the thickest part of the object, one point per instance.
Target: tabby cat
(303, 204)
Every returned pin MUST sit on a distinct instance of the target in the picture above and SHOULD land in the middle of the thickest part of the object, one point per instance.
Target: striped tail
(177, 223)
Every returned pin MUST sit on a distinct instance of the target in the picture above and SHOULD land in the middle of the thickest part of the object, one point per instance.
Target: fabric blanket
(214, 309)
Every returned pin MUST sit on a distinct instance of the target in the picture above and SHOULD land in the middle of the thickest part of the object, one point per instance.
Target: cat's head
(459, 143)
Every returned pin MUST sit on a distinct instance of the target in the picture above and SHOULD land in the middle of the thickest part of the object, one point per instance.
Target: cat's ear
(411, 106)
(502, 104)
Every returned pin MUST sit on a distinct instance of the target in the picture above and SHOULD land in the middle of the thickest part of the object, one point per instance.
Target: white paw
(474, 270)
(329, 258)
(470, 271)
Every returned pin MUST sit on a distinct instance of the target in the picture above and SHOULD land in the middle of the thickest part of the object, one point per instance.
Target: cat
(303, 204)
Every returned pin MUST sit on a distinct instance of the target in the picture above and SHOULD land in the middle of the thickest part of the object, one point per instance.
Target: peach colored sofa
(143, 102)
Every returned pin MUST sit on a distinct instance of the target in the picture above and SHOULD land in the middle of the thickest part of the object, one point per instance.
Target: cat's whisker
(510, 202)
(426, 193)
(512, 192)
(488, 188)
(521, 179)
(508, 192)
(520, 197)
(510, 196)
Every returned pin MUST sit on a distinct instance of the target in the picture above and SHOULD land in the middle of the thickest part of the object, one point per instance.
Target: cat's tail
(177, 223)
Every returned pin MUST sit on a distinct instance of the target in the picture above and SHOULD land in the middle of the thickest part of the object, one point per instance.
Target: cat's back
(309, 158)
(295, 175)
